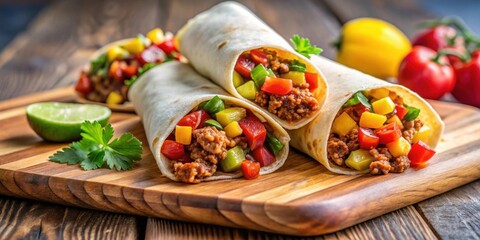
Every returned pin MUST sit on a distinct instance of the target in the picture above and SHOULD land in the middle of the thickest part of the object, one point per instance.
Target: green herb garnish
(303, 46)
(357, 98)
(412, 114)
(96, 150)
(99, 63)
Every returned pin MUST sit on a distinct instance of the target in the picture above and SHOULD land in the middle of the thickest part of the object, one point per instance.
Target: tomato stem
(445, 52)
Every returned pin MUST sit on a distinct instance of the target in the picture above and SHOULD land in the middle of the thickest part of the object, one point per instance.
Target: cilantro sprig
(303, 46)
(96, 150)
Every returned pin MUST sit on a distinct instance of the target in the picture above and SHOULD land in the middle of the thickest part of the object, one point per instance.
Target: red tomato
(437, 38)
(115, 71)
(130, 71)
(367, 139)
(254, 131)
(195, 119)
(263, 156)
(152, 54)
(279, 86)
(258, 57)
(250, 169)
(467, 88)
(167, 46)
(428, 78)
(388, 133)
(419, 154)
(244, 66)
(84, 85)
(312, 80)
(172, 150)
(401, 111)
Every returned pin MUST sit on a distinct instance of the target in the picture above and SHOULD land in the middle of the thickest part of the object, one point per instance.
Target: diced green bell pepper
(214, 105)
(230, 114)
(273, 144)
(213, 123)
(359, 160)
(247, 90)
(233, 160)
(237, 79)
(258, 74)
(296, 77)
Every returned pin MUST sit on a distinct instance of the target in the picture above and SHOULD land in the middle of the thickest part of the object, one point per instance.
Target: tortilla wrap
(213, 40)
(168, 92)
(344, 82)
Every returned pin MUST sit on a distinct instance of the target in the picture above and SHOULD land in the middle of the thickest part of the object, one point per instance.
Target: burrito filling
(376, 130)
(220, 136)
(112, 73)
(282, 86)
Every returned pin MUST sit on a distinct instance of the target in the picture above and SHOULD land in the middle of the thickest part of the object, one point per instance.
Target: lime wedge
(60, 122)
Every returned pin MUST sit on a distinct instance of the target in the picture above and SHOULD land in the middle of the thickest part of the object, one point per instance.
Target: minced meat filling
(277, 64)
(291, 107)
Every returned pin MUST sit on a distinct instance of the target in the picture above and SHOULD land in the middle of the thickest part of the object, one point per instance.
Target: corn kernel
(400, 147)
(343, 124)
(383, 106)
(233, 129)
(372, 120)
(183, 134)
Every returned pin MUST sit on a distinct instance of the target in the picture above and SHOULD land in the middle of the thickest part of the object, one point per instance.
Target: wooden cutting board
(301, 198)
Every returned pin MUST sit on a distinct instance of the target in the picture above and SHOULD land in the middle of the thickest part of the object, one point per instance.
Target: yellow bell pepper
(343, 124)
(116, 52)
(114, 98)
(183, 134)
(372, 120)
(359, 159)
(134, 46)
(156, 36)
(233, 129)
(379, 93)
(296, 77)
(397, 120)
(229, 115)
(237, 79)
(383, 106)
(400, 147)
(423, 134)
(372, 46)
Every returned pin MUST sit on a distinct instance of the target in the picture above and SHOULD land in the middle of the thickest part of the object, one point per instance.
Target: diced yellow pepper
(372, 120)
(397, 120)
(230, 114)
(296, 77)
(400, 147)
(379, 93)
(183, 134)
(248, 90)
(383, 106)
(114, 98)
(116, 52)
(237, 79)
(233, 129)
(359, 159)
(423, 134)
(134, 46)
(156, 36)
(343, 124)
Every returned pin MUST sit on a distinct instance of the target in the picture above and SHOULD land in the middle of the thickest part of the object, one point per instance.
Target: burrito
(368, 125)
(231, 46)
(197, 132)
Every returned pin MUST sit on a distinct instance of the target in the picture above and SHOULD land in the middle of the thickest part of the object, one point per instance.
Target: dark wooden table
(51, 51)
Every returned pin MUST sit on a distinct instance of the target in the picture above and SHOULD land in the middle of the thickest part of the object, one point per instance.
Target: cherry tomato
(244, 66)
(250, 169)
(430, 79)
(254, 131)
(115, 71)
(195, 119)
(172, 149)
(388, 133)
(263, 156)
(84, 85)
(401, 111)
(167, 46)
(152, 54)
(312, 80)
(437, 38)
(129, 71)
(467, 88)
(419, 154)
(258, 57)
(367, 139)
(279, 86)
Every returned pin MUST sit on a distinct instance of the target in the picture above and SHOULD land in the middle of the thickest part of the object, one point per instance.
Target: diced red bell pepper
(152, 54)
(195, 119)
(312, 80)
(367, 139)
(115, 71)
(279, 86)
(401, 111)
(130, 71)
(419, 154)
(168, 46)
(173, 150)
(263, 156)
(250, 169)
(254, 131)
(84, 85)
(388, 133)
(244, 66)
(258, 57)
(360, 108)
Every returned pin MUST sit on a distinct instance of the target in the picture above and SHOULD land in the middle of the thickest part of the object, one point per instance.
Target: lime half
(60, 122)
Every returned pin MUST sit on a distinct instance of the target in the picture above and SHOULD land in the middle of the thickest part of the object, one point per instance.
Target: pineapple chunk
(343, 124)
(423, 134)
(372, 120)
(400, 147)
(183, 134)
(116, 52)
(233, 129)
(383, 106)
(379, 93)
(114, 98)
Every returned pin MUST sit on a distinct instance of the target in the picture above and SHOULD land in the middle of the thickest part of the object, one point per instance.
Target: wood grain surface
(301, 198)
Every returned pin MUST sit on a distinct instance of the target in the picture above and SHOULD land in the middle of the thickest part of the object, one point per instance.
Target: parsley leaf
(96, 149)
(303, 46)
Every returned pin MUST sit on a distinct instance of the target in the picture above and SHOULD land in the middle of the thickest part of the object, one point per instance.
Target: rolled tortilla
(168, 92)
(344, 82)
(213, 40)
